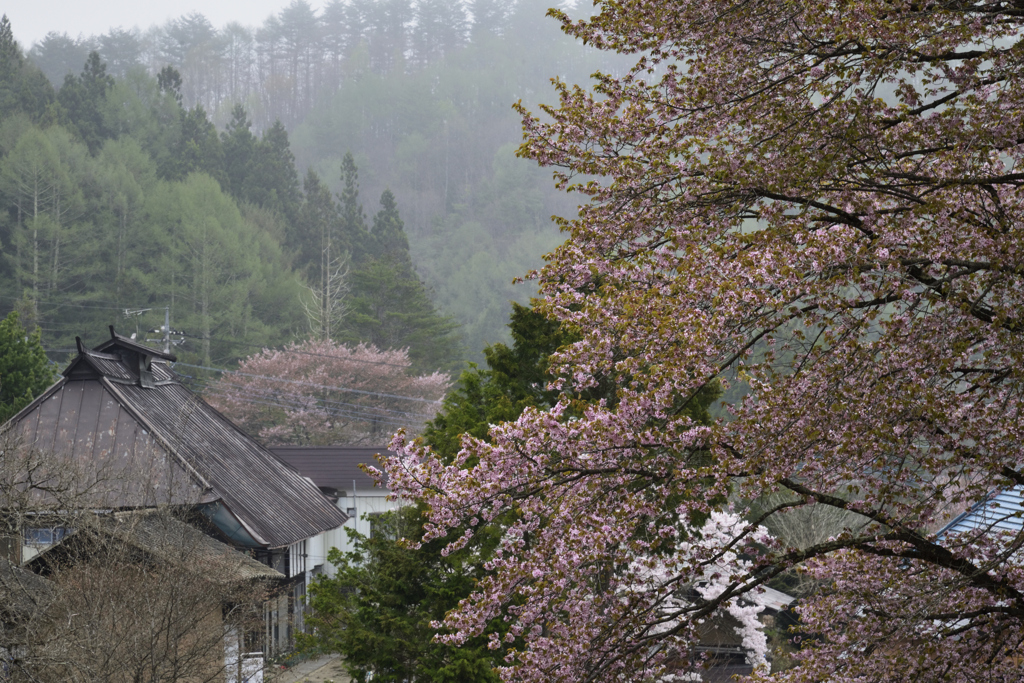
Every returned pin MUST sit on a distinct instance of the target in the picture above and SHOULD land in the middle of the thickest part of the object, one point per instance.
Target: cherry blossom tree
(819, 205)
(320, 392)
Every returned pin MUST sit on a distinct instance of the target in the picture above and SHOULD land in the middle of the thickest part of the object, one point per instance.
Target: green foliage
(459, 217)
(388, 239)
(355, 238)
(376, 611)
(390, 308)
(516, 378)
(82, 100)
(23, 87)
(271, 180)
(25, 371)
(197, 148)
(222, 276)
(239, 146)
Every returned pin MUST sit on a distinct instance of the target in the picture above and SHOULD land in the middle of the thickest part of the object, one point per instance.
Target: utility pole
(165, 332)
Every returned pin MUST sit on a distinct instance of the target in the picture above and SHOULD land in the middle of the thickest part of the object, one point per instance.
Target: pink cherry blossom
(844, 179)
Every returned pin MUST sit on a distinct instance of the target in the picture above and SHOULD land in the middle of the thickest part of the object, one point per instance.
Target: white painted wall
(373, 501)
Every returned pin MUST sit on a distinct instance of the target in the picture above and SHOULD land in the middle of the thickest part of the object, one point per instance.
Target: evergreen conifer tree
(353, 231)
(377, 610)
(82, 99)
(389, 240)
(272, 181)
(238, 145)
(25, 372)
(23, 88)
(390, 306)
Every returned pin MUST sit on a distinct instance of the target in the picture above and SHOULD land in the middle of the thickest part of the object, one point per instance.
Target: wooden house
(139, 438)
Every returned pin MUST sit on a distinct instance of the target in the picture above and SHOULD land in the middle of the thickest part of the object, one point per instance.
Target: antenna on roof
(132, 313)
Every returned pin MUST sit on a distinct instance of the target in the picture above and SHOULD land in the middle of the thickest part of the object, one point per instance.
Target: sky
(31, 20)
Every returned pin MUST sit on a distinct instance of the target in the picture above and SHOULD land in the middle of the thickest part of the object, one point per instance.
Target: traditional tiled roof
(121, 408)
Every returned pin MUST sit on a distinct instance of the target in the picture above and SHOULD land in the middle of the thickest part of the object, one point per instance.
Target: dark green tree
(197, 149)
(23, 88)
(376, 611)
(317, 242)
(388, 238)
(272, 181)
(169, 80)
(238, 145)
(322, 258)
(10, 52)
(516, 377)
(353, 232)
(391, 309)
(25, 371)
(82, 100)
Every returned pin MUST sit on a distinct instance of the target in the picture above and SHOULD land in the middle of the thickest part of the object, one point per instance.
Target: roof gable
(103, 412)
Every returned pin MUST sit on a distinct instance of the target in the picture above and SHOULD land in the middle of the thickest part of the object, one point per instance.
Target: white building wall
(374, 501)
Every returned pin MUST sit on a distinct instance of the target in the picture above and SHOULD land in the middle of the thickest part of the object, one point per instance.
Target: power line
(303, 353)
(343, 413)
(59, 304)
(219, 340)
(309, 384)
(297, 400)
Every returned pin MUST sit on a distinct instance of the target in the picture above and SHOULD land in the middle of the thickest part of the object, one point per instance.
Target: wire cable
(289, 399)
(308, 384)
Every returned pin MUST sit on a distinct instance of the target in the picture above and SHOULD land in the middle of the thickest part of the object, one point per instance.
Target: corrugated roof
(335, 467)
(110, 366)
(162, 539)
(21, 591)
(1002, 511)
(101, 418)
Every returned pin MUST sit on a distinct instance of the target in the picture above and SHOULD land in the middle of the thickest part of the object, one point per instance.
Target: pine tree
(10, 52)
(323, 258)
(82, 101)
(198, 148)
(378, 608)
(23, 88)
(353, 232)
(239, 146)
(392, 310)
(389, 240)
(272, 181)
(390, 306)
(25, 372)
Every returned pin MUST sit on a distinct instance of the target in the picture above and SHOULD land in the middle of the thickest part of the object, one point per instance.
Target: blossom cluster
(819, 205)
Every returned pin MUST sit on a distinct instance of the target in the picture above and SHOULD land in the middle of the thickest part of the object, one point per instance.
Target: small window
(41, 536)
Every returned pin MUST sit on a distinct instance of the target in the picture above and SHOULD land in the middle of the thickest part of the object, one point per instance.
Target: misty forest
(345, 174)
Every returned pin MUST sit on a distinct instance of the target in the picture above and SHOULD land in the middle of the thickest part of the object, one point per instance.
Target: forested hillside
(419, 93)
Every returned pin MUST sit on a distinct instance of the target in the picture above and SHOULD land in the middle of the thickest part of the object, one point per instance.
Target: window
(42, 536)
